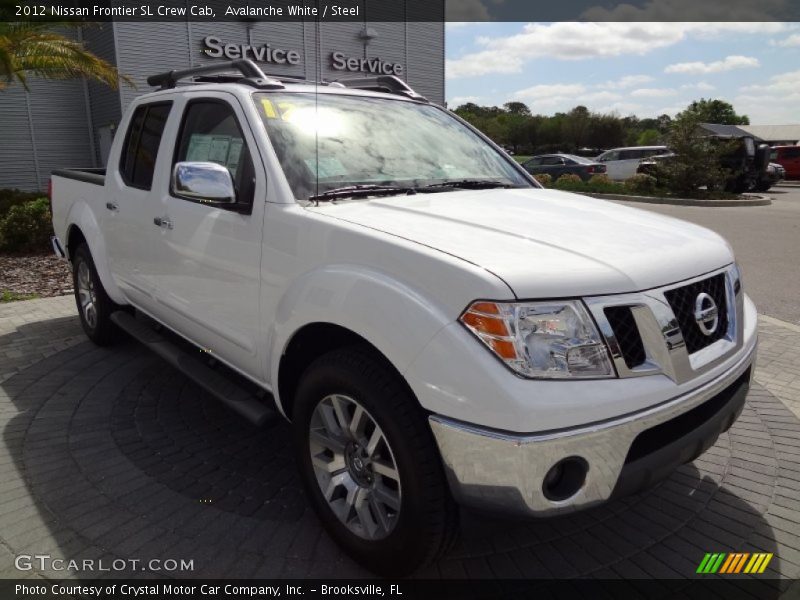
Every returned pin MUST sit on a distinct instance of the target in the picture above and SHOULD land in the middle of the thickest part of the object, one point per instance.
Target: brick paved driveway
(112, 454)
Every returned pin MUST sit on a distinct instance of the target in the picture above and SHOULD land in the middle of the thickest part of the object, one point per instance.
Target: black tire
(426, 523)
(98, 328)
(762, 186)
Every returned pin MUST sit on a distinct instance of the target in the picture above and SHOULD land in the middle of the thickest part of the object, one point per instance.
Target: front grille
(682, 300)
(622, 323)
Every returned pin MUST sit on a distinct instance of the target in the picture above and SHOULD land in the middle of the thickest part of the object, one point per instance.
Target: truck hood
(547, 243)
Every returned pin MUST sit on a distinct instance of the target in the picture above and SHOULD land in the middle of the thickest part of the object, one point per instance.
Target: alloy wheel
(354, 467)
(86, 295)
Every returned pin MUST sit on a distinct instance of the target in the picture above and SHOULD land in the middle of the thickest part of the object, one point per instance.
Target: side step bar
(227, 391)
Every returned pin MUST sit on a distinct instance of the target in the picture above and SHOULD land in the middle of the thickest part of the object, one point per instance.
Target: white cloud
(772, 102)
(602, 96)
(626, 82)
(785, 83)
(700, 86)
(791, 41)
(537, 92)
(583, 40)
(653, 92)
(729, 63)
(621, 108)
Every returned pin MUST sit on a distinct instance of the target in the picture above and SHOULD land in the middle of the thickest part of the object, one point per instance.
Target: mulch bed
(43, 275)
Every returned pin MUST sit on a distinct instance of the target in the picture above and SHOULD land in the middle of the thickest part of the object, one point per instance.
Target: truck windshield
(328, 141)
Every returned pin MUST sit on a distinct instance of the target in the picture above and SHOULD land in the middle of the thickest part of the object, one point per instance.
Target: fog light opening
(565, 478)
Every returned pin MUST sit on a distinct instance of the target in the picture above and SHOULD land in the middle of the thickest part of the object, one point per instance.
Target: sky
(646, 69)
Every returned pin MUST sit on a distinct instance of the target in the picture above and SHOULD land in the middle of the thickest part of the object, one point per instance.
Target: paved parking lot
(112, 454)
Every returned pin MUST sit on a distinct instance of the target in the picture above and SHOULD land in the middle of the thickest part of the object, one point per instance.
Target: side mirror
(205, 182)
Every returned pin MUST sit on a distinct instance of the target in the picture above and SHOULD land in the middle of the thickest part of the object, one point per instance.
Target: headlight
(553, 340)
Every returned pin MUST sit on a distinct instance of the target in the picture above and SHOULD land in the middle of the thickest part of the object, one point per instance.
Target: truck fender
(389, 314)
(82, 217)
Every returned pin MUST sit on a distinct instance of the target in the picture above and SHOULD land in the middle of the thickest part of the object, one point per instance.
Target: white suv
(436, 326)
(621, 163)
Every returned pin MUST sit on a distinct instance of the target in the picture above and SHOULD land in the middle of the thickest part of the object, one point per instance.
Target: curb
(779, 323)
(749, 201)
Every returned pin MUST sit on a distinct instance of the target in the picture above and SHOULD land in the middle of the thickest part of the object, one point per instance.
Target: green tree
(648, 137)
(517, 108)
(714, 111)
(576, 126)
(28, 48)
(697, 162)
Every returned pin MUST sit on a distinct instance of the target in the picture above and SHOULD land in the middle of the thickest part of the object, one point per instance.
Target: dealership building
(72, 123)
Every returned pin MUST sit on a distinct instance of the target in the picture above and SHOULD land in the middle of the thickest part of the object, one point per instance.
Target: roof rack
(381, 83)
(251, 75)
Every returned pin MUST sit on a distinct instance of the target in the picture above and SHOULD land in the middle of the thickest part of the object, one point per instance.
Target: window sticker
(283, 111)
(234, 152)
(328, 167)
(221, 149)
(199, 147)
(218, 151)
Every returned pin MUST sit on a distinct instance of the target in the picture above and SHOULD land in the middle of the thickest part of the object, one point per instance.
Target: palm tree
(34, 48)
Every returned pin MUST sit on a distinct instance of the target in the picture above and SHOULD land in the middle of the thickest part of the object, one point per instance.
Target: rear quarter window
(140, 150)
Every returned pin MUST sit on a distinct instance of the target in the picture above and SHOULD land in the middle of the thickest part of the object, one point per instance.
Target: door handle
(163, 222)
(112, 206)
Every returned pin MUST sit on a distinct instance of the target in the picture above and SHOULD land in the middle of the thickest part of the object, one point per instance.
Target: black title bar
(400, 10)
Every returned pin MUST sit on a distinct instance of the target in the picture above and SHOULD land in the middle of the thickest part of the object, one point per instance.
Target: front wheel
(369, 463)
(94, 305)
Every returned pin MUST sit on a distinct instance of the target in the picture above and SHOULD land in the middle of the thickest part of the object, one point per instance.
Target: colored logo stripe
(721, 562)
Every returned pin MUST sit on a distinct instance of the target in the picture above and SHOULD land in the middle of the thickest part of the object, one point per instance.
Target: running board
(223, 388)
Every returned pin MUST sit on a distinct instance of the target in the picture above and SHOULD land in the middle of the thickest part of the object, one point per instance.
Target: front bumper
(506, 472)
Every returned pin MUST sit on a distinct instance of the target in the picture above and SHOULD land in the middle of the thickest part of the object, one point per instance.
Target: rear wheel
(94, 305)
(370, 465)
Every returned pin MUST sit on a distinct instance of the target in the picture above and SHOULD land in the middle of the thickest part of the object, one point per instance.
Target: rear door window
(140, 150)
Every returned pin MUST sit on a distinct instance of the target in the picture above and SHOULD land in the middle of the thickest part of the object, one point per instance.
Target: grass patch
(9, 296)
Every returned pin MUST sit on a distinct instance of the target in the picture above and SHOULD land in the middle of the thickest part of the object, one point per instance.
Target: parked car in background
(622, 163)
(557, 165)
(789, 158)
(772, 175)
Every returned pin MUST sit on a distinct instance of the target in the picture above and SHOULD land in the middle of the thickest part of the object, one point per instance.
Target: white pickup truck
(438, 328)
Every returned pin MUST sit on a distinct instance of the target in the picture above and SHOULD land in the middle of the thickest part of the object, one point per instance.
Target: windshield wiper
(467, 184)
(354, 191)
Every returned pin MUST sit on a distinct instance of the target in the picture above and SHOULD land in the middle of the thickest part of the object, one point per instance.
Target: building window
(140, 151)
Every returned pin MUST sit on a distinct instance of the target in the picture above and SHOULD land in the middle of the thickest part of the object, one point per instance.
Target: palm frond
(31, 48)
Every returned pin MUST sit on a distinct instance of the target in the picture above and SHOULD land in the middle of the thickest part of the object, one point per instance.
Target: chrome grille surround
(664, 344)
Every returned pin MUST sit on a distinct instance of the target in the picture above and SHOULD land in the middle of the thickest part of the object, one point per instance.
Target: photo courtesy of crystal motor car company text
(317, 291)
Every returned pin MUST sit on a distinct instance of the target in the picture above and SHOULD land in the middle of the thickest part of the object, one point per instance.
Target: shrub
(9, 198)
(599, 179)
(568, 179)
(641, 184)
(544, 178)
(697, 162)
(26, 227)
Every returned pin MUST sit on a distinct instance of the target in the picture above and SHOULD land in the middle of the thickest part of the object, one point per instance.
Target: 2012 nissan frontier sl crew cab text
(438, 328)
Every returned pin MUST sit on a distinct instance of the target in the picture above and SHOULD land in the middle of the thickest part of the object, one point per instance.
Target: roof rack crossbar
(252, 74)
(382, 83)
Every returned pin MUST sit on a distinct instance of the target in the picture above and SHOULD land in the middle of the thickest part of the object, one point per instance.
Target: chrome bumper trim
(504, 472)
